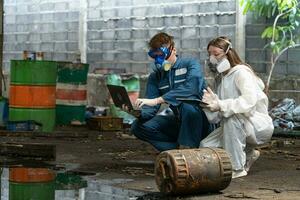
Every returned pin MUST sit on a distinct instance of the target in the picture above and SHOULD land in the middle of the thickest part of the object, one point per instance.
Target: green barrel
(71, 92)
(25, 72)
(33, 73)
(65, 114)
(72, 73)
(45, 116)
(32, 191)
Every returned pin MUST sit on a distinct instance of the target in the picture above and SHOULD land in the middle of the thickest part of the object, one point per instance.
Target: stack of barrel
(32, 92)
(31, 183)
(71, 92)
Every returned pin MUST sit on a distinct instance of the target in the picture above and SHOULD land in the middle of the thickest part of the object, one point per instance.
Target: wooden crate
(105, 123)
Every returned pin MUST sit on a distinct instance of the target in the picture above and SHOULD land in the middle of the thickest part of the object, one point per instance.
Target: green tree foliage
(284, 31)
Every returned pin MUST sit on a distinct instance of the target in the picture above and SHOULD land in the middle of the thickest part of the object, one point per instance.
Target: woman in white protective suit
(239, 105)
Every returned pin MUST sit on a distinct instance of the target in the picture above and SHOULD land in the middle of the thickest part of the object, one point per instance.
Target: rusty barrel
(31, 183)
(192, 171)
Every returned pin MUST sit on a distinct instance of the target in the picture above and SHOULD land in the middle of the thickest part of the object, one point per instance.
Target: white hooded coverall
(243, 116)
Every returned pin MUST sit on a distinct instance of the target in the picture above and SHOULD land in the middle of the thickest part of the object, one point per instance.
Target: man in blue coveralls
(173, 79)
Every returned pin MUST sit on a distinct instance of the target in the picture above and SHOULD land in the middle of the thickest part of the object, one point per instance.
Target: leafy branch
(285, 15)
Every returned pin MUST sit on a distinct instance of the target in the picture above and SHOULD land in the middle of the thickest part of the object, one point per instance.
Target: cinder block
(139, 23)
(72, 46)
(60, 36)
(190, 33)
(226, 19)
(124, 12)
(73, 26)
(140, 34)
(209, 19)
(21, 19)
(190, 8)
(209, 31)
(206, 7)
(36, 47)
(258, 54)
(254, 29)
(124, 23)
(107, 45)
(34, 18)
(139, 46)
(60, 46)
(47, 37)
(73, 15)
(95, 46)
(139, 56)
(10, 28)
(9, 38)
(124, 45)
(293, 55)
(22, 37)
(59, 56)
(61, 26)
(59, 6)
(225, 6)
(124, 3)
(123, 56)
(108, 13)
(10, 19)
(94, 25)
(46, 6)
(93, 3)
(156, 21)
(71, 57)
(108, 35)
(73, 36)
(140, 68)
(228, 30)
(92, 56)
(108, 56)
(93, 35)
(10, 9)
(9, 46)
(140, 2)
(33, 8)
(190, 20)
(172, 21)
(22, 9)
(252, 42)
(123, 35)
(44, 27)
(172, 10)
(46, 46)
(139, 11)
(175, 32)
(294, 69)
(94, 14)
(61, 16)
(190, 44)
(157, 11)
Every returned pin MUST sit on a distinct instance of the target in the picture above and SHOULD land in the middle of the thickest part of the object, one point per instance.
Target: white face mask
(213, 60)
(223, 65)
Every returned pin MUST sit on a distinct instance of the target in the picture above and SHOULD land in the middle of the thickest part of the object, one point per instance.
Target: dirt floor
(276, 174)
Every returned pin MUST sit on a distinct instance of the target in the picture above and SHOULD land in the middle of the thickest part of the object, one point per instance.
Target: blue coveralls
(189, 125)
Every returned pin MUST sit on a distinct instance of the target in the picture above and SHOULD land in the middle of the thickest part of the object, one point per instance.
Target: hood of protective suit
(260, 83)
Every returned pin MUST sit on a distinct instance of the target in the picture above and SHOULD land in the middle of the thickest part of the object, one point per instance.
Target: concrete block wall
(118, 31)
(50, 26)
(259, 58)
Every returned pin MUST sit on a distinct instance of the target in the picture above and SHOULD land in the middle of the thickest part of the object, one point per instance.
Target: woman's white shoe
(238, 173)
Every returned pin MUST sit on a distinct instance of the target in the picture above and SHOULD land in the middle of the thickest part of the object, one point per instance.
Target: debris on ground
(286, 115)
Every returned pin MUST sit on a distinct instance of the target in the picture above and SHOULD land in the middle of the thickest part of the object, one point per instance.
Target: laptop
(120, 97)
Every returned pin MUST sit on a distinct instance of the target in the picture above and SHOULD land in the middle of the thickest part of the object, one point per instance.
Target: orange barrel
(192, 171)
(31, 183)
(32, 92)
(71, 92)
(24, 96)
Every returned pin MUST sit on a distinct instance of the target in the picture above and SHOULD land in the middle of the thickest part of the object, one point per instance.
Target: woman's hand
(211, 99)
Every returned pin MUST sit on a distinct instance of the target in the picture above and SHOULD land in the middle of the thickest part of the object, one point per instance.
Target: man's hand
(211, 99)
(149, 102)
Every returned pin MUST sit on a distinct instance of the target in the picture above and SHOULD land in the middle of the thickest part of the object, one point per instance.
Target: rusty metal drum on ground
(192, 171)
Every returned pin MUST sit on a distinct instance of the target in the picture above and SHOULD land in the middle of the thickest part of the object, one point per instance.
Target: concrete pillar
(82, 32)
(240, 30)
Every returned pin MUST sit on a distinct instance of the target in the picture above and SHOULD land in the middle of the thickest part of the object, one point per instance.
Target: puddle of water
(59, 182)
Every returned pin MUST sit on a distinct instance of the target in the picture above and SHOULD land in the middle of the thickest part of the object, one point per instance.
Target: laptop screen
(119, 96)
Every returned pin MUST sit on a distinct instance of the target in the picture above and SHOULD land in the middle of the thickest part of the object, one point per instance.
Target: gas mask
(160, 55)
(219, 66)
